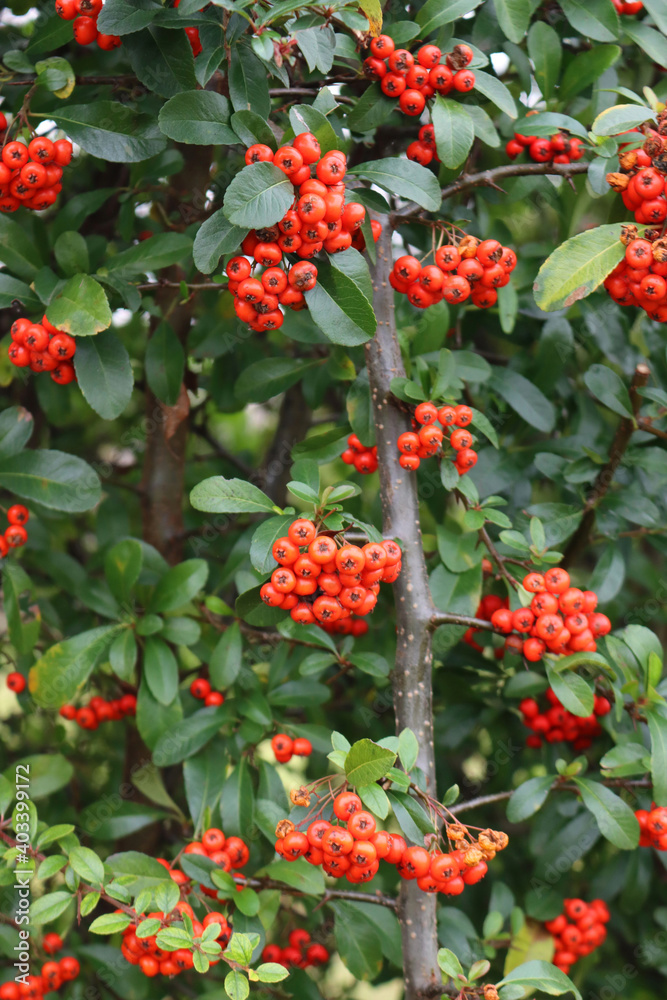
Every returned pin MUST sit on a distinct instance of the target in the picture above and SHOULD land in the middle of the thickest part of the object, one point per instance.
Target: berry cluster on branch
(555, 724)
(560, 619)
(429, 439)
(365, 460)
(300, 953)
(100, 710)
(30, 174)
(319, 582)
(640, 279)
(577, 931)
(84, 14)
(43, 348)
(465, 269)
(414, 81)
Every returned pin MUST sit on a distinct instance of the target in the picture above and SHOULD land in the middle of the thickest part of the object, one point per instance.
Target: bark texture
(414, 610)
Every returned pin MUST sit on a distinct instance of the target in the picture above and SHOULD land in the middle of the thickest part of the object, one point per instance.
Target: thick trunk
(414, 609)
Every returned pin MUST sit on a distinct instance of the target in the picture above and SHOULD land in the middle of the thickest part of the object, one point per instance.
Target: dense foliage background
(126, 586)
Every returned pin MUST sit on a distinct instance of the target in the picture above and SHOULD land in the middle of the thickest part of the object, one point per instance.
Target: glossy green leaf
(577, 267)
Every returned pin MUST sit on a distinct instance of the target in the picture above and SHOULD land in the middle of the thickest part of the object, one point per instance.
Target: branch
(605, 476)
(558, 786)
(490, 178)
(82, 81)
(498, 559)
(645, 424)
(450, 618)
(357, 897)
(412, 681)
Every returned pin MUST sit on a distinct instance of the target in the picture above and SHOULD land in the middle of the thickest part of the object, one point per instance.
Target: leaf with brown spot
(578, 267)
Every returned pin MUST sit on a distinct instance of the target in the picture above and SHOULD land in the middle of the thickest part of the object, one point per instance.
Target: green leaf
(297, 874)
(248, 82)
(214, 238)
(434, 13)
(247, 902)
(358, 941)
(160, 670)
(317, 45)
(544, 49)
(161, 250)
(375, 799)
(657, 725)
(259, 195)
(87, 864)
(15, 582)
(16, 427)
(625, 760)
(237, 800)
(49, 772)
(596, 19)
(576, 694)
(577, 267)
(609, 389)
(251, 609)
(513, 18)
(586, 68)
(162, 60)
(179, 585)
(110, 923)
(165, 363)
(198, 116)
(17, 249)
(63, 669)
(528, 798)
(236, 985)
(614, 817)
(110, 130)
(189, 735)
(410, 816)
(367, 762)
(403, 178)
(454, 131)
(524, 397)
(269, 377)
(80, 308)
(11, 290)
(372, 664)
(104, 374)
(49, 907)
(306, 118)
(539, 975)
(71, 252)
(620, 118)
(371, 110)
(218, 495)
(271, 972)
(408, 748)
(495, 91)
(138, 871)
(227, 657)
(548, 122)
(252, 128)
(340, 308)
(449, 964)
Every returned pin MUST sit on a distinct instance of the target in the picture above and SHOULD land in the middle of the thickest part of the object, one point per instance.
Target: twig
(558, 785)
(358, 897)
(489, 178)
(451, 618)
(498, 559)
(645, 424)
(222, 452)
(605, 476)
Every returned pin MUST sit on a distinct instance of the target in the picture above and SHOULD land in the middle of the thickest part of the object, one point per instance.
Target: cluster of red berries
(227, 852)
(43, 348)
(30, 175)
(578, 931)
(556, 725)
(412, 80)
(153, 960)
(653, 827)
(428, 440)
(365, 460)
(628, 6)
(641, 178)
(318, 220)
(640, 279)
(201, 689)
(300, 952)
(485, 609)
(471, 269)
(324, 583)
(355, 847)
(84, 13)
(53, 975)
(99, 710)
(559, 148)
(560, 619)
(346, 626)
(284, 747)
(15, 534)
